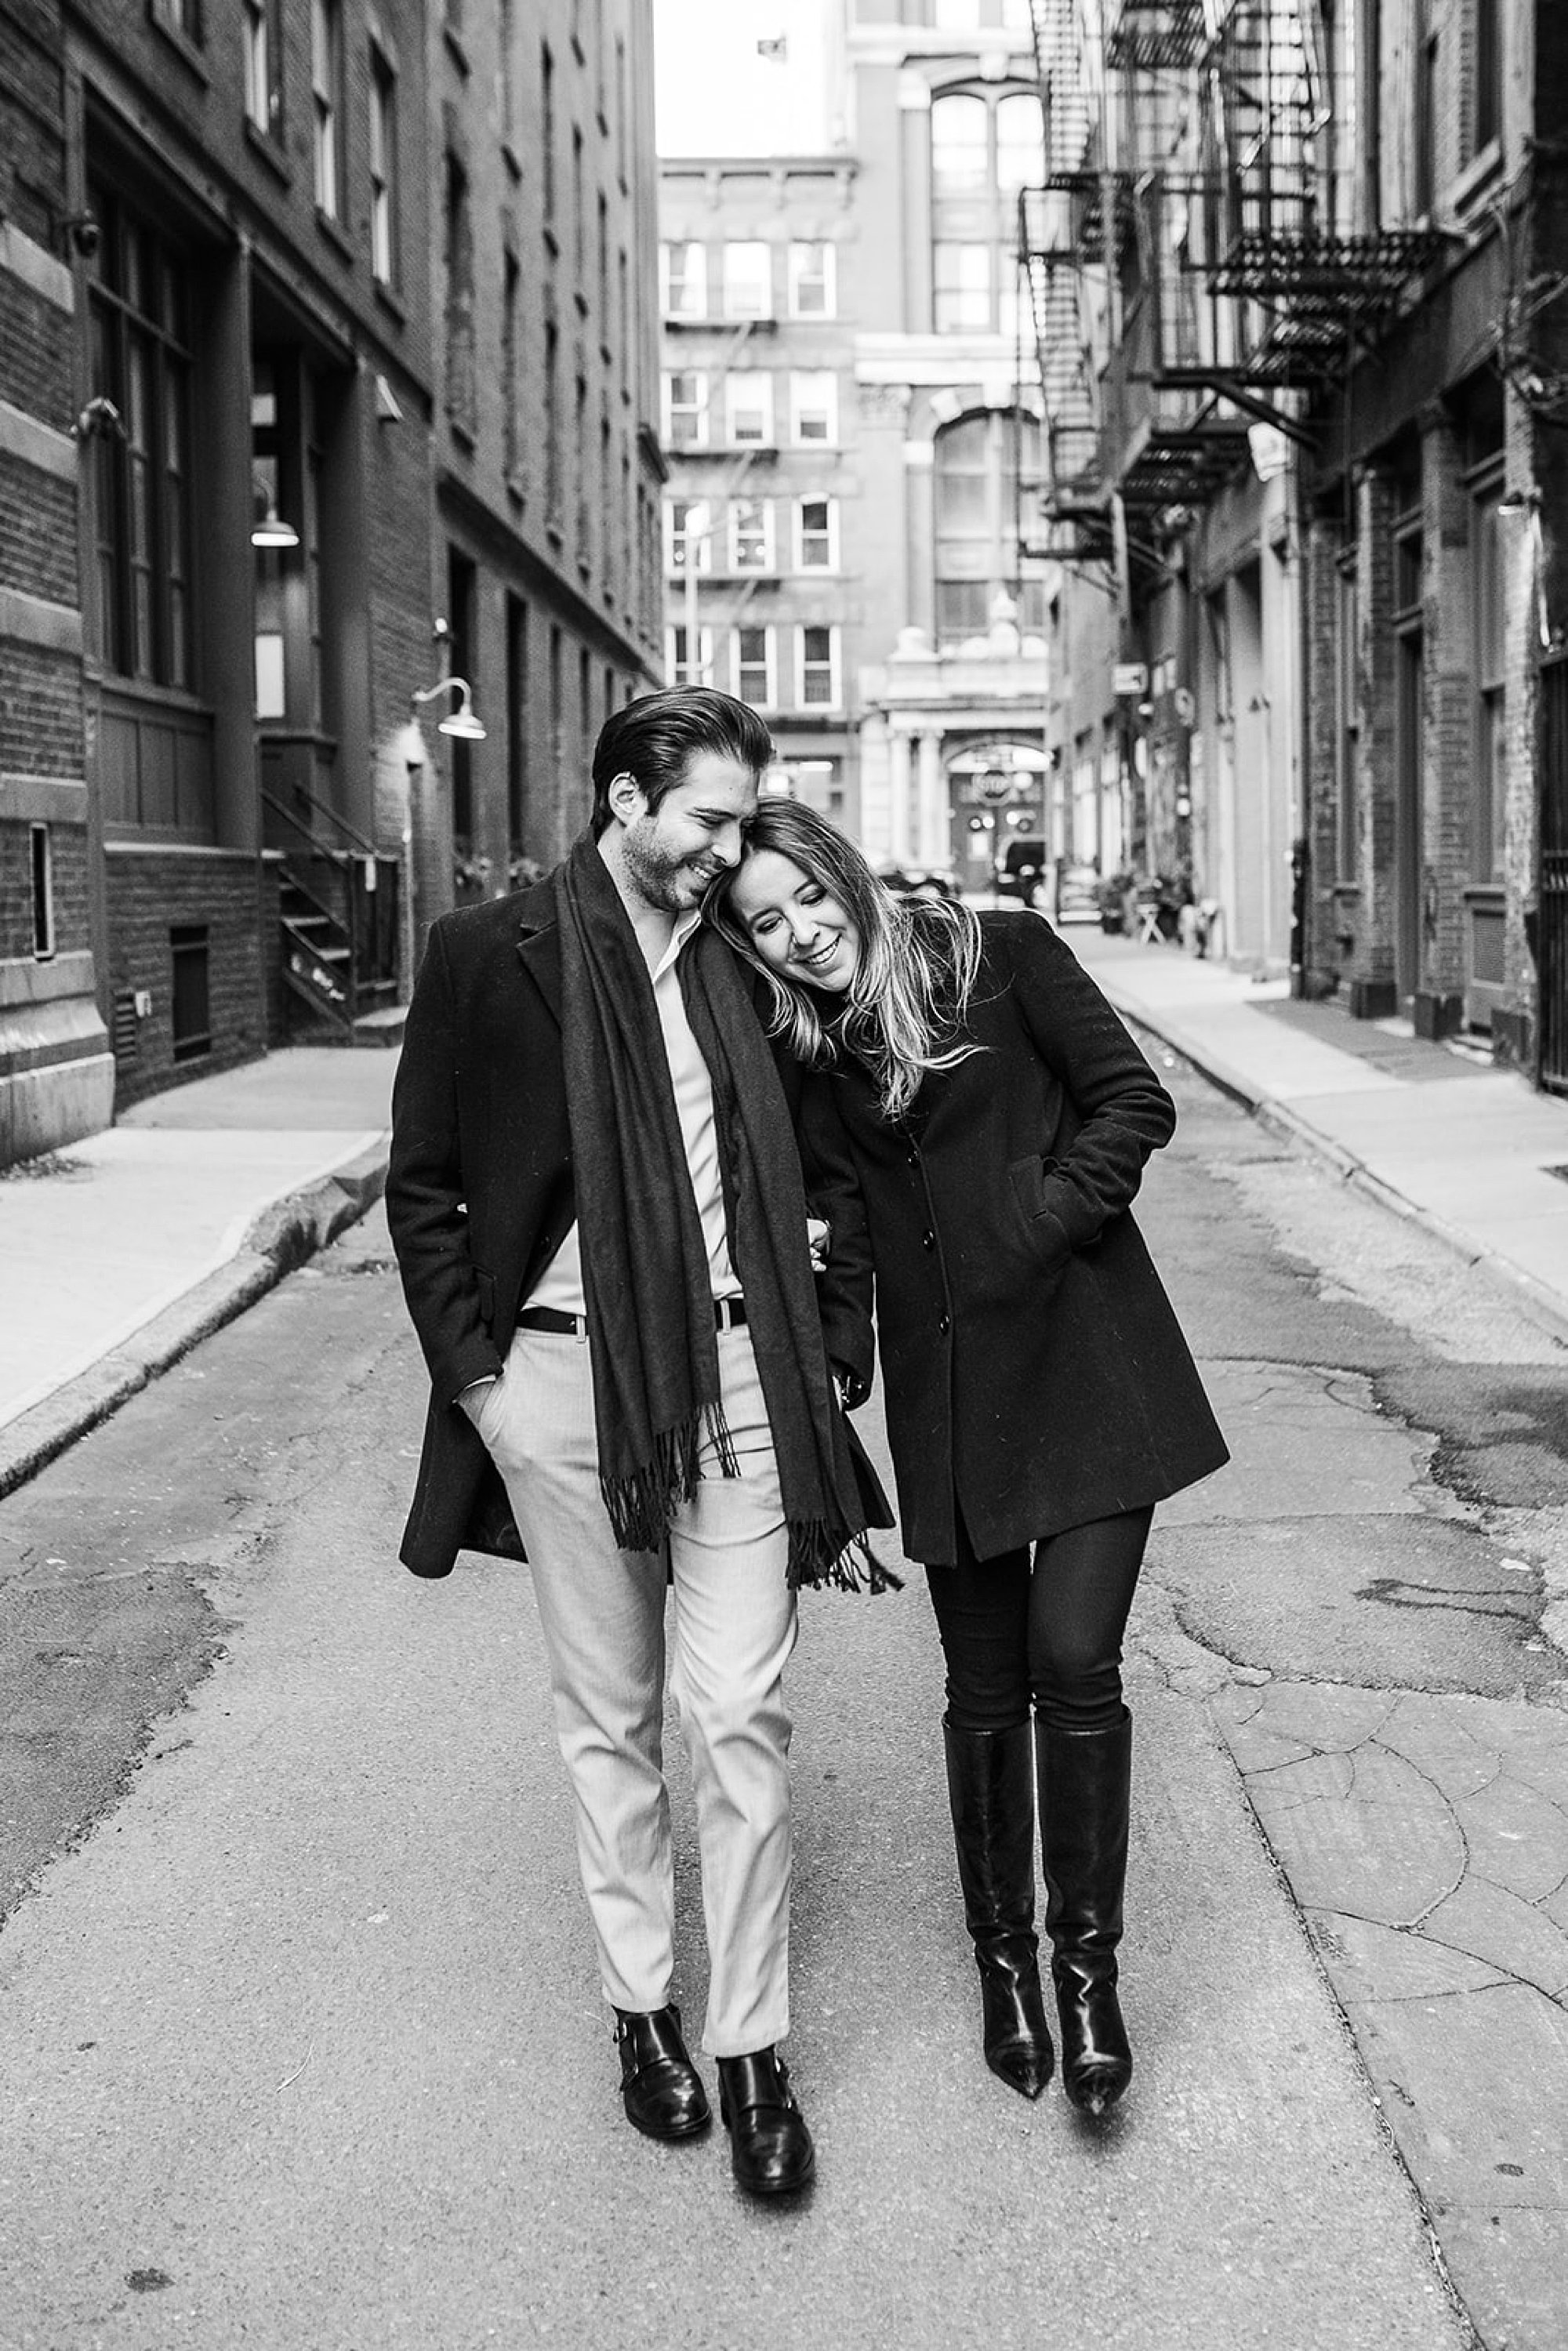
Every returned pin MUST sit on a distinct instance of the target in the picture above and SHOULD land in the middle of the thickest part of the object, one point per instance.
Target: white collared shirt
(560, 1284)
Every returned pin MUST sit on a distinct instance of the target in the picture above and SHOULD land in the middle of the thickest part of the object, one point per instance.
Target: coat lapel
(538, 944)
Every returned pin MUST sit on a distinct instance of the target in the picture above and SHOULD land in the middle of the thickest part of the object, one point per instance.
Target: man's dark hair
(655, 738)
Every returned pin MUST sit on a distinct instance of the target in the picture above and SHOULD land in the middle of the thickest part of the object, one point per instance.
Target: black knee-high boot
(991, 1790)
(1084, 1780)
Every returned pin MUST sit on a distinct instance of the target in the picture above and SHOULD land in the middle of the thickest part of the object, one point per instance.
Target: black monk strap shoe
(770, 2148)
(660, 2088)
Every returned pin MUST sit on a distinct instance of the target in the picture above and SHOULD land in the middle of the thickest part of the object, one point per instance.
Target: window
(41, 872)
(985, 144)
(747, 281)
(1491, 667)
(819, 673)
(753, 667)
(517, 726)
(577, 225)
(190, 997)
(547, 132)
(751, 535)
(326, 104)
(817, 535)
(814, 405)
(182, 16)
(688, 541)
(681, 671)
(1488, 97)
(1020, 141)
(1424, 144)
(960, 145)
(1347, 829)
(506, 71)
(552, 426)
(812, 273)
(683, 269)
(961, 289)
(263, 96)
(748, 405)
(511, 419)
(462, 370)
(141, 485)
(603, 250)
(686, 411)
(383, 169)
(986, 468)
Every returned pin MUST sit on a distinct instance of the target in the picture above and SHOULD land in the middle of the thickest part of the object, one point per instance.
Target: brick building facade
(764, 512)
(315, 398)
(849, 440)
(56, 1071)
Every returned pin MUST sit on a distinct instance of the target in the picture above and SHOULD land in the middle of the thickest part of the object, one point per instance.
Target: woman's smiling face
(800, 930)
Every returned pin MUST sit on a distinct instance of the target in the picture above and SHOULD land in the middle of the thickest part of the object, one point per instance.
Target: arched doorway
(996, 792)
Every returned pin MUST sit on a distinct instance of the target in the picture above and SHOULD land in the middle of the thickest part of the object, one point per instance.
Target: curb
(1542, 1305)
(282, 1238)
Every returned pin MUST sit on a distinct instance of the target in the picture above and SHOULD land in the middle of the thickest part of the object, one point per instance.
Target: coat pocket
(1026, 1179)
(485, 1283)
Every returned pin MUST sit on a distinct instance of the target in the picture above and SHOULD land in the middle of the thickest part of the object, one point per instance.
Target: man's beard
(671, 884)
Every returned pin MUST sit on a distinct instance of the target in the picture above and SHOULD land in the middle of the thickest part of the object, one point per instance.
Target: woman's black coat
(1032, 1361)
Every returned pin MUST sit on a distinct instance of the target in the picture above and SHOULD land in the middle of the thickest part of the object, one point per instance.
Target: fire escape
(1211, 206)
(1062, 236)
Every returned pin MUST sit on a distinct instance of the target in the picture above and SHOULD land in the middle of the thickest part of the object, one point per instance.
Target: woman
(976, 1088)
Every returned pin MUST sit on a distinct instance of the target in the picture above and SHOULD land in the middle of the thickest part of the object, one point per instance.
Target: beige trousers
(732, 1626)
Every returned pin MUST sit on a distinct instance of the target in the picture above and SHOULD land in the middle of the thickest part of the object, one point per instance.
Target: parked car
(1022, 868)
(919, 880)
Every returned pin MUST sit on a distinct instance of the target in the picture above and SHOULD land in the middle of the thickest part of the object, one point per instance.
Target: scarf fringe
(642, 1504)
(819, 1555)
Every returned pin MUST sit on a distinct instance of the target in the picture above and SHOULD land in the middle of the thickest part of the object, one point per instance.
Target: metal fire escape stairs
(1230, 281)
(1062, 238)
(718, 502)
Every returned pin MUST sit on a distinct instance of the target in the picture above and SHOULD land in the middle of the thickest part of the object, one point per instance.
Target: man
(599, 1222)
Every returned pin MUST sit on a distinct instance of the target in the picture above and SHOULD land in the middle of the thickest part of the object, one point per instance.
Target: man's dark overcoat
(480, 1197)
(1033, 1364)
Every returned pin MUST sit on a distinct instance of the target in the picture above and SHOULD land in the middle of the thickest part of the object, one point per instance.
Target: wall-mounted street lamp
(460, 722)
(269, 528)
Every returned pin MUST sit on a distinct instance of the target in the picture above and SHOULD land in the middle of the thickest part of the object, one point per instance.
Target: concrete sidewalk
(1474, 1154)
(120, 1254)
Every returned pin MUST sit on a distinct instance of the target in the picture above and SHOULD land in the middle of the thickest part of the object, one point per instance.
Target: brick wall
(35, 355)
(148, 893)
(1448, 721)
(40, 713)
(37, 532)
(68, 870)
(1371, 972)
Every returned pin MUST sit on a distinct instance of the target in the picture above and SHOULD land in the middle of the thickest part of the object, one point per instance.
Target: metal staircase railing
(339, 917)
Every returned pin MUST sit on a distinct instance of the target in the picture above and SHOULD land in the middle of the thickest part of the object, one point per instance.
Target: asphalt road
(299, 2012)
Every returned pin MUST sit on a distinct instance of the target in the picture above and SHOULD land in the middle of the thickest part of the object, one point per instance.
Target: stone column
(898, 806)
(935, 846)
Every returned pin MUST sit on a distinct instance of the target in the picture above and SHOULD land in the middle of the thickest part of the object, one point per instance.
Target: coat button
(913, 1157)
(928, 1239)
(946, 1324)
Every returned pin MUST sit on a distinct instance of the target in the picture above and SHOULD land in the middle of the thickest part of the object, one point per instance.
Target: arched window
(960, 145)
(987, 469)
(987, 142)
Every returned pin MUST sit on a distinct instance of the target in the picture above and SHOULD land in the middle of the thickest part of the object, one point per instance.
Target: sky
(714, 94)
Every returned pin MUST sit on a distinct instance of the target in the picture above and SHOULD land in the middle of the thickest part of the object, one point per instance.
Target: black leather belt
(727, 1314)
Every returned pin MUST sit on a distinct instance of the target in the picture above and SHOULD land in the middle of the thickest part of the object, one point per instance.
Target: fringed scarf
(657, 1394)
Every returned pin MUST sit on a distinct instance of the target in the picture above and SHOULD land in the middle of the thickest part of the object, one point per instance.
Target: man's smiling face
(673, 852)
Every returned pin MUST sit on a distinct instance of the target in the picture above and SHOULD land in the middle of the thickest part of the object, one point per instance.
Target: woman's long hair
(905, 1006)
